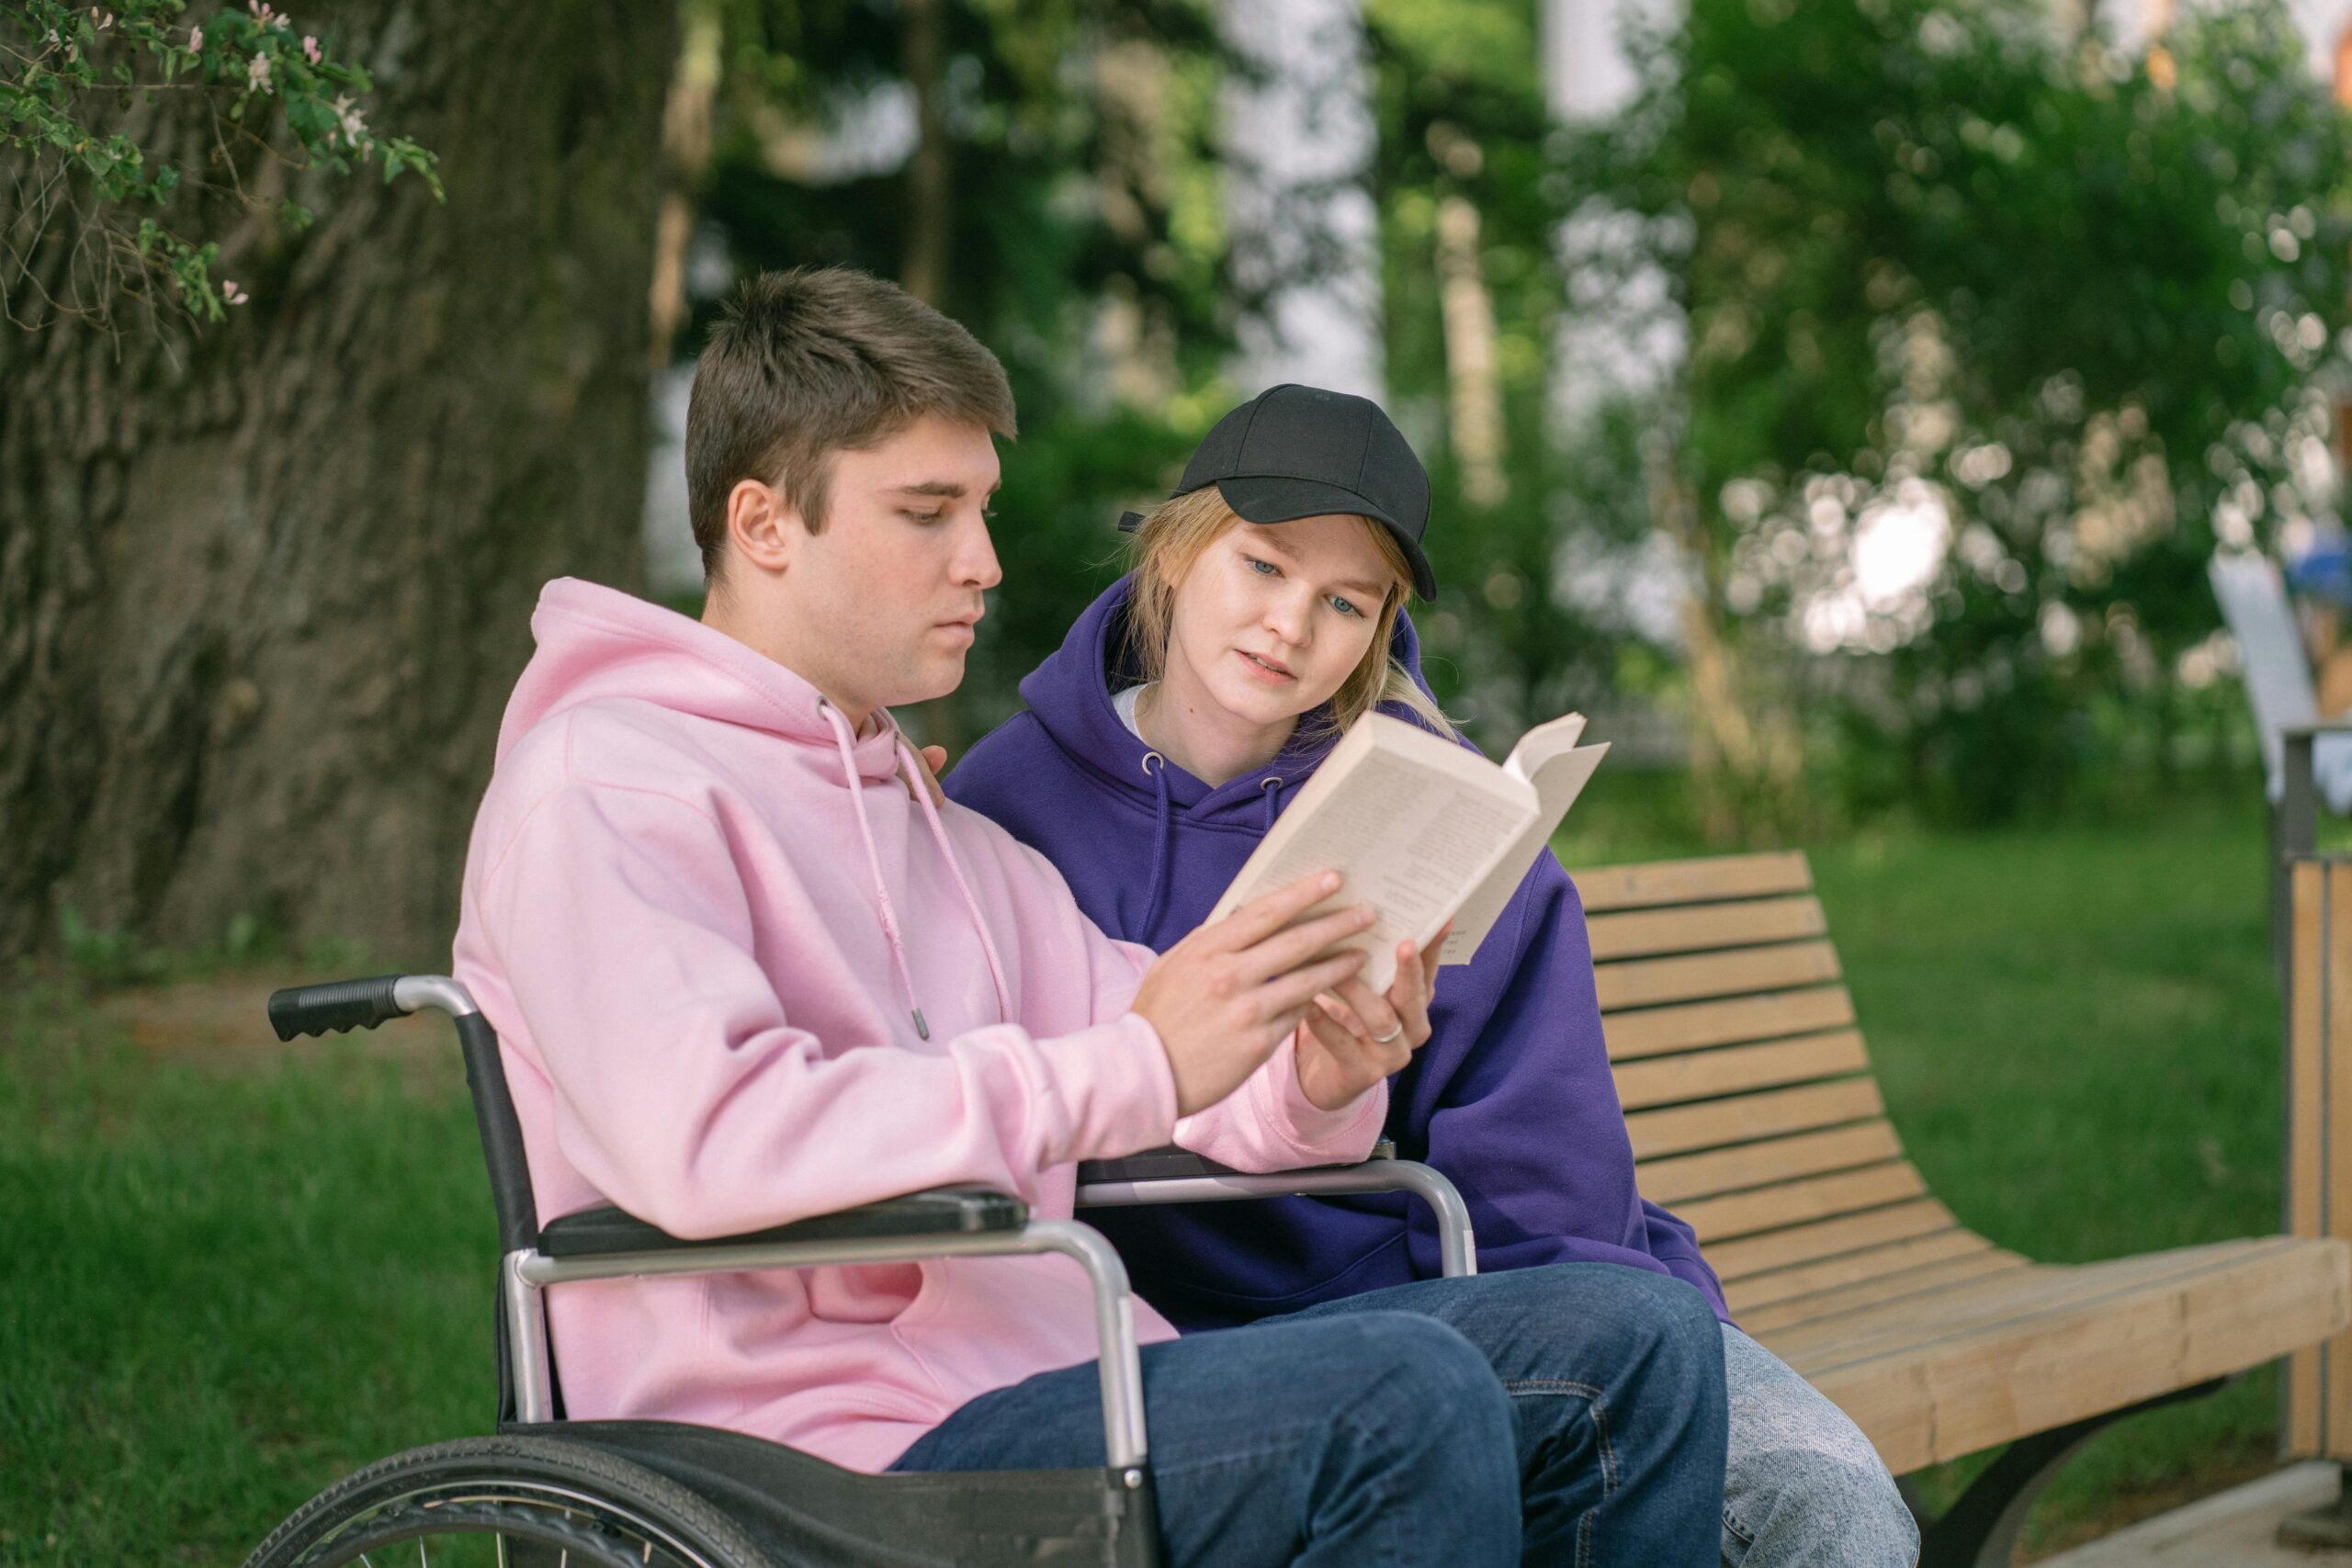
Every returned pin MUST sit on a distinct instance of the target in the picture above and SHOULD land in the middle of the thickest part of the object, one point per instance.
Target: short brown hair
(815, 361)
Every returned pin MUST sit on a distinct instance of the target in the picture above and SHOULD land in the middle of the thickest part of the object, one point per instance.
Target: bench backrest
(1747, 1090)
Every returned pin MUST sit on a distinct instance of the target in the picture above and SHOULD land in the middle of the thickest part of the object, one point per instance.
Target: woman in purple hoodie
(1262, 617)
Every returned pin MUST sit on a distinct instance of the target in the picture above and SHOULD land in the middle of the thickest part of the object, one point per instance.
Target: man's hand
(1227, 995)
(1355, 1038)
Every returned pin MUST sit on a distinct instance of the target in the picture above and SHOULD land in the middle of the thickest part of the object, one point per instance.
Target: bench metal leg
(2329, 1525)
(1980, 1529)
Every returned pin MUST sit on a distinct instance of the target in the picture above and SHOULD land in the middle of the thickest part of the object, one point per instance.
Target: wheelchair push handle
(336, 1005)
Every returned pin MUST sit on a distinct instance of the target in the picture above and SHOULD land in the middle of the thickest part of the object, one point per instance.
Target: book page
(1412, 835)
(1541, 744)
(1558, 781)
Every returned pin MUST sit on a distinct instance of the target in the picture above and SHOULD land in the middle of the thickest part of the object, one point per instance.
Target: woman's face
(1272, 616)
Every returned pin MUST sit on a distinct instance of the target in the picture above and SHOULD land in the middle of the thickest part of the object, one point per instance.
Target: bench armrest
(606, 1231)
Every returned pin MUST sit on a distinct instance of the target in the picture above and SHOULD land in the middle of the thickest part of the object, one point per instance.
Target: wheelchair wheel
(507, 1503)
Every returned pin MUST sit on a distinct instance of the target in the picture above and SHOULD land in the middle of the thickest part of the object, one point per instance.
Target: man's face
(879, 607)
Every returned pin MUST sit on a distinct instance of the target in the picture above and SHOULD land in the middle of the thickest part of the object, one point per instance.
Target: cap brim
(1277, 498)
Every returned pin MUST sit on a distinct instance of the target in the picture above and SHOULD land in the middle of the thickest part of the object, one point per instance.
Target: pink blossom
(311, 48)
(232, 294)
(257, 74)
(196, 41)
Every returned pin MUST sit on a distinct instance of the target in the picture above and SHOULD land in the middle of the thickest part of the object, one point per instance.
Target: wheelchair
(543, 1492)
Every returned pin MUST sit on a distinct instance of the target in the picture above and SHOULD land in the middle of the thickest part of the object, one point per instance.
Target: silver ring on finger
(1384, 1039)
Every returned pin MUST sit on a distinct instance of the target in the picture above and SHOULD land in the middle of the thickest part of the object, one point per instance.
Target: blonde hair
(1170, 541)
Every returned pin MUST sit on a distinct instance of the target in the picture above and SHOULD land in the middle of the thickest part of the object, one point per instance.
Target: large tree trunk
(263, 591)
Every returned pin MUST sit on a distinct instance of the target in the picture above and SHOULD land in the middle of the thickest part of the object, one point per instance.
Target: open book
(1424, 829)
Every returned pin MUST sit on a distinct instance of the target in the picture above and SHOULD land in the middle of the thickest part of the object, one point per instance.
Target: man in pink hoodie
(745, 969)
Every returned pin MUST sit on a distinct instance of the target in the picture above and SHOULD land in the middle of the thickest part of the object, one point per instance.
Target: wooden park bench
(1755, 1117)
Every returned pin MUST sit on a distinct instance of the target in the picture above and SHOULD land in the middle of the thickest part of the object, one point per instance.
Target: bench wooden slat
(1824, 1306)
(1691, 881)
(1652, 933)
(1972, 1384)
(1827, 1238)
(1769, 1114)
(2017, 1297)
(1801, 1201)
(1696, 1026)
(1685, 1177)
(1853, 1268)
(1703, 1075)
(1646, 982)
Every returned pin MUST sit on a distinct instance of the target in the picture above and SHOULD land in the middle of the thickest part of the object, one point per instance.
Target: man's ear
(764, 526)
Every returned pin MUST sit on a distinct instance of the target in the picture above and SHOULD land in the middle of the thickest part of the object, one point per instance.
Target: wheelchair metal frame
(527, 1272)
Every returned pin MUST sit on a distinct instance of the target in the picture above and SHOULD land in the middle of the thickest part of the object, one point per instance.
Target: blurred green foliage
(1090, 250)
(2089, 302)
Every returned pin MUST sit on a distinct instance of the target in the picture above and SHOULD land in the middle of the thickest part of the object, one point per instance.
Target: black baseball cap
(1295, 451)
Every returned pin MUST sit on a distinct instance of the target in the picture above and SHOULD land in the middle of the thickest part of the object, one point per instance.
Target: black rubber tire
(540, 1492)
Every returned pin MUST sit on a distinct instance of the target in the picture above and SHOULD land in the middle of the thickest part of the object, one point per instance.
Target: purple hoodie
(1511, 1097)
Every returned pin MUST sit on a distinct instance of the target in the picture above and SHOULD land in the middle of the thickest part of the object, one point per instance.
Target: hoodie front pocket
(865, 1293)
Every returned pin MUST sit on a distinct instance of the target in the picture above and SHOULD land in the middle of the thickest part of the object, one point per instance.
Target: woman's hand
(1354, 1038)
(934, 760)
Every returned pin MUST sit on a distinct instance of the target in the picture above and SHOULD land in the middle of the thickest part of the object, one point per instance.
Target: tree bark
(923, 271)
(1474, 385)
(685, 145)
(263, 589)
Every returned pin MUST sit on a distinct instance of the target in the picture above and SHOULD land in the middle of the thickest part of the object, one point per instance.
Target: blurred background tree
(1995, 332)
(1947, 342)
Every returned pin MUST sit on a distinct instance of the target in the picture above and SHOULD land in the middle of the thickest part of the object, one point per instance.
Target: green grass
(222, 1289)
(228, 1281)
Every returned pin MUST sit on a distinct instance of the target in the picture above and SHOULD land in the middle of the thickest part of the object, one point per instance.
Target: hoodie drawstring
(955, 869)
(1270, 791)
(842, 740)
(1162, 831)
(888, 913)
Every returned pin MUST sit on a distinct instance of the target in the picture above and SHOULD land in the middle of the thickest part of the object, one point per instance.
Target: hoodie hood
(1069, 695)
(598, 644)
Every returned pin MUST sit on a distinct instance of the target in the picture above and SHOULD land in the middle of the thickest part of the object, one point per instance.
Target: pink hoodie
(742, 976)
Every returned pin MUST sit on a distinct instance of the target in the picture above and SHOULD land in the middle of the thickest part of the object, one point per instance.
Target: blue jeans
(1573, 1414)
(1805, 1488)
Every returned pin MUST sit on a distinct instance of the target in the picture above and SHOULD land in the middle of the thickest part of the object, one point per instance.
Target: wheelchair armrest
(1173, 1164)
(947, 1210)
(1177, 1175)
